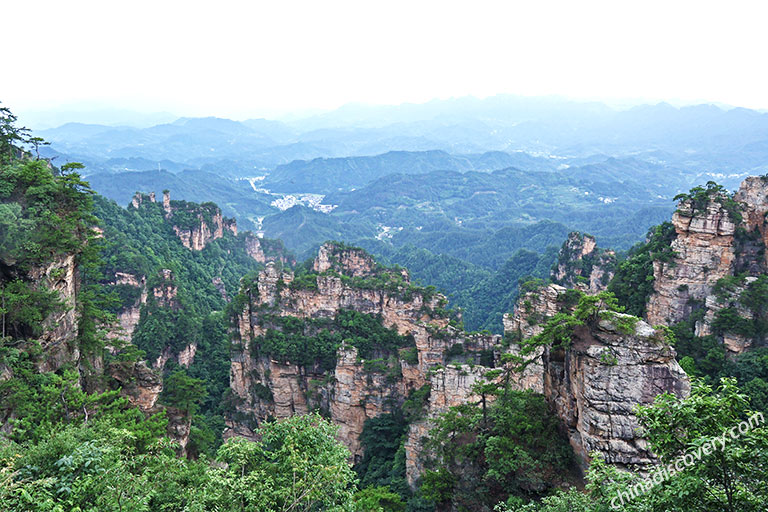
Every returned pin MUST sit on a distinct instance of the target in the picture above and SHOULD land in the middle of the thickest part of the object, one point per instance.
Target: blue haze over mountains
(485, 188)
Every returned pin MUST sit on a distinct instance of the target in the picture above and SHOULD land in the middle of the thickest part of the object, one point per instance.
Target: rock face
(140, 384)
(450, 386)
(254, 249)
(704, 252)
(582, 265)
(753, 194)
(527, 320)
(351, 392)
(595, 384)
(352, 263)
(198, 236)
(264, 251)
(195, 225)
(724, 238)
(129, 315)
(593, 393)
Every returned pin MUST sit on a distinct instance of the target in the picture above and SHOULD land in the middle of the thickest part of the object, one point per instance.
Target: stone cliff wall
(712, 243)
(595, 384)
(129, 315)
(199, 236)
(704, 252)
(593, 387)
(60, 327)
(209, 224)
(349, 394)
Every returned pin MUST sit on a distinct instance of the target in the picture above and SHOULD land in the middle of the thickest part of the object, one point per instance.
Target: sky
(242, 59)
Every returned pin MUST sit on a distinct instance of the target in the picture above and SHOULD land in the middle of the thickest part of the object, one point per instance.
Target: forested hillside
(78, 432)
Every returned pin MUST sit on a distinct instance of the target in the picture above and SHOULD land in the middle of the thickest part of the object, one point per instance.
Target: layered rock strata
(593, 387)
(725, 238)
(350, 393)
(595, 384)
(704, 252)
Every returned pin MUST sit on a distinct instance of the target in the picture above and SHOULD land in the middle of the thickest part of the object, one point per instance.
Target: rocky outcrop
(595, 384)
(449, 387)
(264, 250)
(734, 343)
(219, 284)
(198, 236)
(526, 321)
(350, 262)
(129, 315)
(723, 237)
(353, 391)
(582, 265)
(254, 249)
(165, 290)
(196, 225)
(140, 384)
(753, 195)
(704, 252)
(593, 387)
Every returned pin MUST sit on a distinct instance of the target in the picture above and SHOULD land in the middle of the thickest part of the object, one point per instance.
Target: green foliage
(141, 242)
(557, 332)
(633, 282)
(113, 464)
(383, 442)
(45, 215)
(410, 355)
(296, 465)
(24, 307)
(41, 402)
(572, 267)
(188, 216)
(310, 342)
(378, 499)
(727, 286)
(729, 320)
(699, 198)
(515, 451)
(590, 309)
(727, 478)
(183, 392)
(12, 137)
(382, 438)
(483, 294)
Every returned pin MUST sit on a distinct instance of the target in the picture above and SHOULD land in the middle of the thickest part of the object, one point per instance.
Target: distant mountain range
(474, 181)
(327, 175)
(705, 136)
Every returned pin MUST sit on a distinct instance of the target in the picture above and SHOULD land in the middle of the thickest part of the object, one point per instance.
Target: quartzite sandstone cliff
(721, 239)
(594, 398)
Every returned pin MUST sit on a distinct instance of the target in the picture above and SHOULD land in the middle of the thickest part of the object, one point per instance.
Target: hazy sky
(240, 59)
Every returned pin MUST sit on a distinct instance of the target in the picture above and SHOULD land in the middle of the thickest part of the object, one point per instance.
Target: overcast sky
(244, 59)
